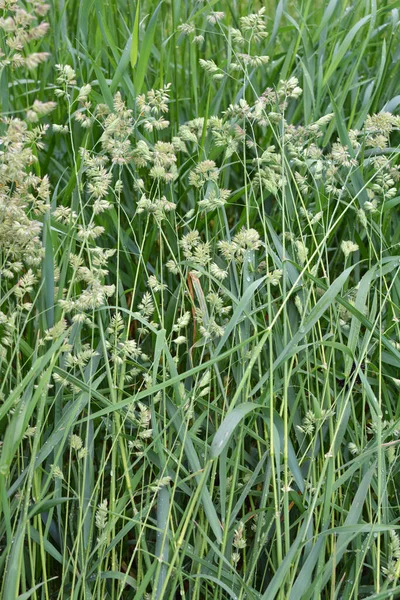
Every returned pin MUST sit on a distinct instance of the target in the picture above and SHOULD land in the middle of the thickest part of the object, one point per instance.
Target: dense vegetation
(199, 299)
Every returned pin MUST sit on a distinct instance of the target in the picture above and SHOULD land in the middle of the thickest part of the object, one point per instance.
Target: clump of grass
(199, 359)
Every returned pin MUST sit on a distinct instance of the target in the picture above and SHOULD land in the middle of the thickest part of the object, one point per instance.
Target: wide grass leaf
(145, 51)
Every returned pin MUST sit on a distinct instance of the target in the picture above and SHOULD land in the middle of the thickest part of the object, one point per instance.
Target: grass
(199, 301)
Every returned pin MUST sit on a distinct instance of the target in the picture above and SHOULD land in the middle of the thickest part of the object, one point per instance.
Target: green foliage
(199, 299)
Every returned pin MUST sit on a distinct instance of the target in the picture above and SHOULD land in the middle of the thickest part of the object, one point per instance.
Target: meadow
(199, 299)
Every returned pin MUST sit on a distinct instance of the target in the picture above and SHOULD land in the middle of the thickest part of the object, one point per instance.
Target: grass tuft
(199, 300)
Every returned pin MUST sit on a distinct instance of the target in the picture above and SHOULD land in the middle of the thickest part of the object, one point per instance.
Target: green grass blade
(145, 51)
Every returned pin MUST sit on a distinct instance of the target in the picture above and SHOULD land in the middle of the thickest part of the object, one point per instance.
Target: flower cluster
(21, 29)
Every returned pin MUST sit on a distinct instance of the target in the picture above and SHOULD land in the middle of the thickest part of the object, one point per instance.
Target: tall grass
(199, 300)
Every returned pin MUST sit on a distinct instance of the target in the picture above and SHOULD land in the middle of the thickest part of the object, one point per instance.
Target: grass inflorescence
(199, 300)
